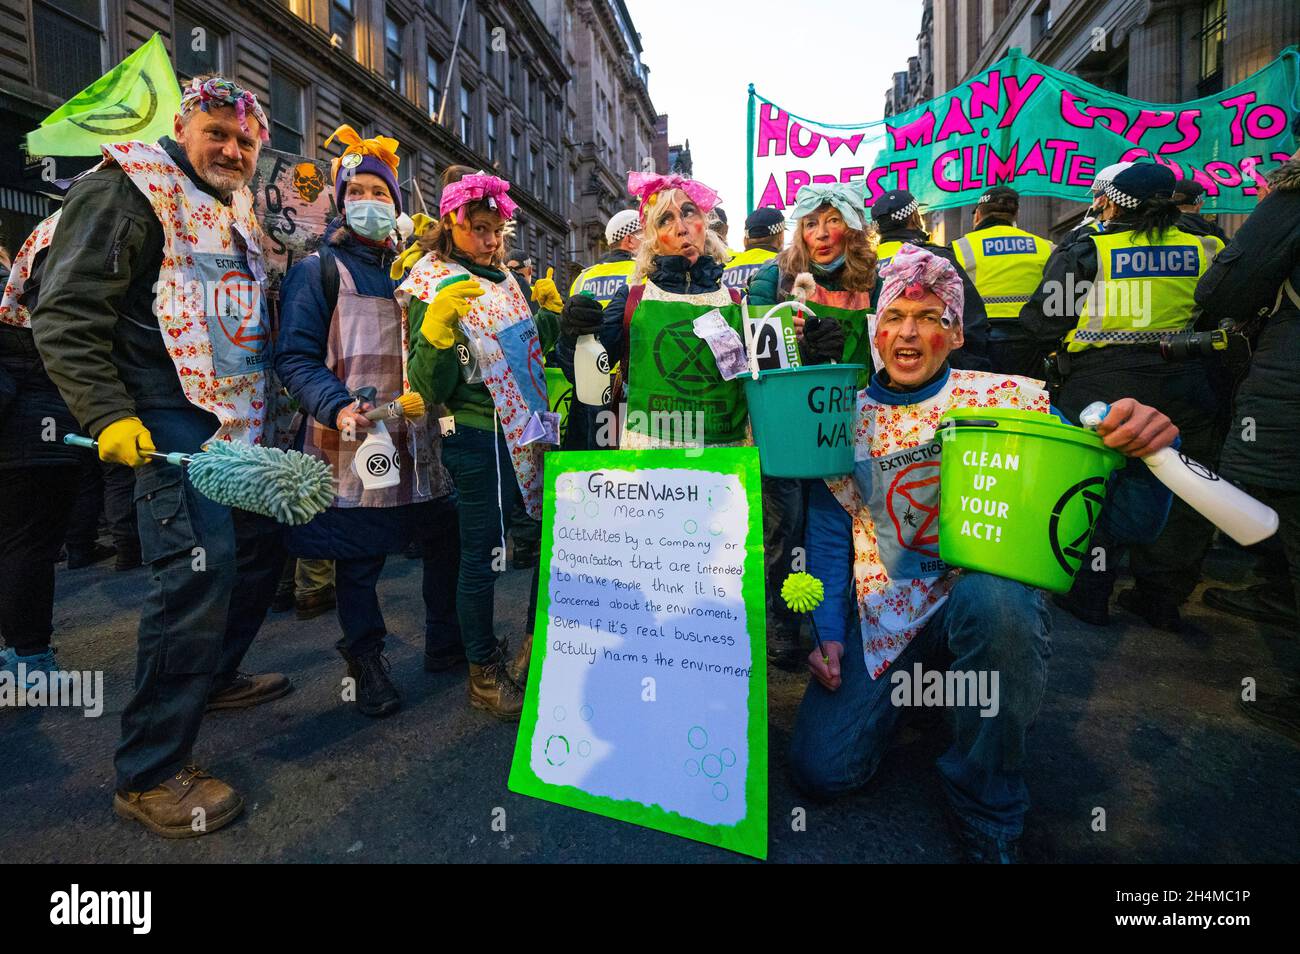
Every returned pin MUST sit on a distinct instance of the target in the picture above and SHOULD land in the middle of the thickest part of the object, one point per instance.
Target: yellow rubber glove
(126, 441)
(448, 307)
(546, 294)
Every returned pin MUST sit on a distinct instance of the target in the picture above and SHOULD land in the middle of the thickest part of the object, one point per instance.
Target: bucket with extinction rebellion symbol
(1019, 494)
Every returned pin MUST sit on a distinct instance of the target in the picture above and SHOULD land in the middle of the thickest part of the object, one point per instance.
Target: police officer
(1091, 223)
(1112, 296)
(1190, 196)
(764, 239)
(897, 219)
(592, 291)
(1006, 264)
(602, 280)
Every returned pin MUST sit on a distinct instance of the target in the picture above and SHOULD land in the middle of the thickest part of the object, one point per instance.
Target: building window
(197, 45)
(69, 45)
(393, 29)
(466, 114)
(550, 184)
(1214, 18)
(1040, 23)
(355, 121)
(484, 43)
(342, 23)
(493, 146)
(433, 70)
(572, 176)
(514, 153)
(287, 126)
(532, 171)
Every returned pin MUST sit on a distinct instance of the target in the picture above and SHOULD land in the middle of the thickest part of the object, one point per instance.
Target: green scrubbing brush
(288, 486)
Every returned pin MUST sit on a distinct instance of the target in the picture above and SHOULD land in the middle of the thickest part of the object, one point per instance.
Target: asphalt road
(1136, 721)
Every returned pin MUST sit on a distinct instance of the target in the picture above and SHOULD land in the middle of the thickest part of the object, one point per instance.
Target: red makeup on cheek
(936, 341)
(882, 335)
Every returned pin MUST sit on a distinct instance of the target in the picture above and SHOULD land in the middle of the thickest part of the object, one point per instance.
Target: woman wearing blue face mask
(341, 351)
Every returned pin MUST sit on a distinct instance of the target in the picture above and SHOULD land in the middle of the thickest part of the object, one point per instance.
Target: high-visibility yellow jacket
(603, 280)
(1006, 265)
(1143, 289)
(743, 265)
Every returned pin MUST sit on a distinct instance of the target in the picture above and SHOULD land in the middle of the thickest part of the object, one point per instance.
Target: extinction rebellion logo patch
(1068, 548)
(680, 358)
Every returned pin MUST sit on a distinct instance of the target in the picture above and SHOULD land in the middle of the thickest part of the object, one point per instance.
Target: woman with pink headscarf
(681, 261)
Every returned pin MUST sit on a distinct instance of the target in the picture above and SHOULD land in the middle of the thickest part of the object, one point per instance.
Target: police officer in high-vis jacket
(764, 239)
(603, 280)
(1006, 264)
(1107, 301)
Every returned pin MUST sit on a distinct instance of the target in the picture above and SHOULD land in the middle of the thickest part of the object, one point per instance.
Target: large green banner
(1040, 130)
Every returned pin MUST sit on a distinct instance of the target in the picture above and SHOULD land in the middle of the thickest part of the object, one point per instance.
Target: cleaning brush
(288, 486)
(409, 405)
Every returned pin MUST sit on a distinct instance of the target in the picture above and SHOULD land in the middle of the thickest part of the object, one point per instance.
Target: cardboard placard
(647, 694)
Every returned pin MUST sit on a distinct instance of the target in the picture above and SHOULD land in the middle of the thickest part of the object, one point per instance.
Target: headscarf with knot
(478, 185)
(377, 155)
(647, 185)
(219, 91)
(914, 271)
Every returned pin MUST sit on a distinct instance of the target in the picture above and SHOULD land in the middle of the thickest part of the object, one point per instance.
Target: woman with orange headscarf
(341, 351)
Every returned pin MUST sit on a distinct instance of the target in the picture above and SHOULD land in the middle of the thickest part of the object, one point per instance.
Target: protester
(1111, 348)
(343, 335)
(1255, 287)
(680, 260)
(114, 287)
(1190, 196)
(601, 282)
(474, 345)
(717, 222)
(897, 218)
(1006, 265)
(40, 480)
(764, 239)
(908, 611)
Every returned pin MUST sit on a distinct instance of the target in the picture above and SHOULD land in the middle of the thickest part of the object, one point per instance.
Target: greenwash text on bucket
(802, 419)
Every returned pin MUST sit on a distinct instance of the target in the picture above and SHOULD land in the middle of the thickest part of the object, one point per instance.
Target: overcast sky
(829, 60)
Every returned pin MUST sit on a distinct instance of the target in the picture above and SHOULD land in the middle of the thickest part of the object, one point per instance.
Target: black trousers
(106, 488)
(1169, 568)
(35, 507)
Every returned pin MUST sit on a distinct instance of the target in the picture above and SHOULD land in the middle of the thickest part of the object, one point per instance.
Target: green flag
(137, 99)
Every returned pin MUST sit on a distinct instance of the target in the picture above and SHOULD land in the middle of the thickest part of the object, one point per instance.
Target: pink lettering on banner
(1071, 112)
(773, 129)
(919, 132)
(1238, 103)
(901, 170)
(825, 178)
(834, 142)
(874, 189)
(1002, 170)
(1210, 185)
(801, 149)
(1017, 96)
(985, 95)
(1255, 121)
(1034, 162)
(1082, 170)
(1061, 148)
(1224, 173)
(967, 167)
(771, 195)
(1148, 119)
(936, 171)
(955, 122)
(1191, 132)
(851, 172)
(795, 180)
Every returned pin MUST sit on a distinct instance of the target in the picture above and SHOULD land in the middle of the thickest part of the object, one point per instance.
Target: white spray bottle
(1233, 511)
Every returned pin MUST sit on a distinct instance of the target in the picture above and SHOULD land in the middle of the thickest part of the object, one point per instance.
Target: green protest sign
(647, 693)
(137, 100)
(1041, 130)
(672, 371)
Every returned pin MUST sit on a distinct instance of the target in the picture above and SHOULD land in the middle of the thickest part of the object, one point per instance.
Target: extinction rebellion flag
(137, 99)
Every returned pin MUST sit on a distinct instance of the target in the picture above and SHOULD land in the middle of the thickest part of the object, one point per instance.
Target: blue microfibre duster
(288, 486)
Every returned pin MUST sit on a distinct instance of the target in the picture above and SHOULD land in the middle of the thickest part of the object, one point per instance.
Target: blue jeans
(469, 455)
(988, 624)
(202, 609)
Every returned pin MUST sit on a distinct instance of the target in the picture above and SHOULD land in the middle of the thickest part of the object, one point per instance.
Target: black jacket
(28, 399)
(974, 354)
(1242, 285)
(1193, 223)
(93, 321)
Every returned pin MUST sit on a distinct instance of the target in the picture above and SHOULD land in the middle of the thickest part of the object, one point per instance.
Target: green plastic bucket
(1019, 494)
(803, 419)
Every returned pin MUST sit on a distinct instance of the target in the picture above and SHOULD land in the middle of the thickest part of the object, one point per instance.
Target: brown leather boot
(518, 668)
(491, 689)
(248, 690)
(172, 809)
